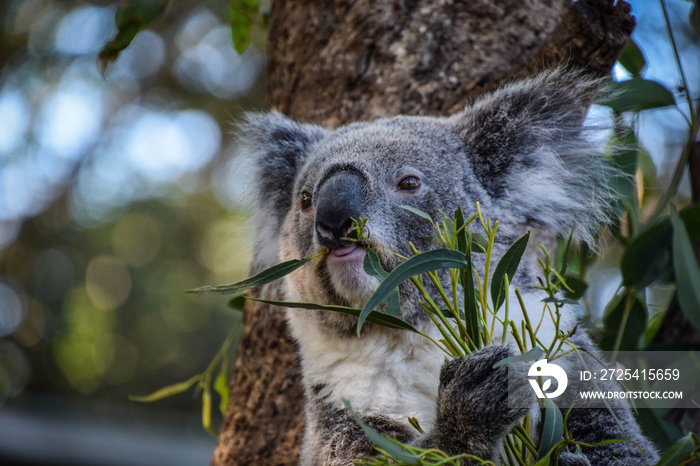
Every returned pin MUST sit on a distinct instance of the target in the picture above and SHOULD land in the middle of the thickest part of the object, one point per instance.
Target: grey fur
(521, 153)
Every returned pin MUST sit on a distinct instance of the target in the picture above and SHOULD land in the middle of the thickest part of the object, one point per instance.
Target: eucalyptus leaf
(507, 265)
(560, 301)
(567, 253)
(481, 243)
(471, 313)
(374, 317)
(237, 302)
(392, 449)
(266, 276)
(679, 451)
(242, 13)
(577, 285)
(687, 271)
(624, 324)
(130, 18)
(552, 428)
(694, 17)
(373, 267)
(206, 412)
(432, 240)
(626, 160)
(533, 355)
(648, 258)
(416, 265)
(417, 212)
(221, 387)
(632, 58)
(636, 94)
(170, 390)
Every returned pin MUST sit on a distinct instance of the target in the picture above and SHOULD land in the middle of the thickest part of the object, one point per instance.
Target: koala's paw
(567, 458)
(479, 398)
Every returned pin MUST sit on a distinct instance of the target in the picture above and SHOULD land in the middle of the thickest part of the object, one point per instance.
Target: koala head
(520, 152)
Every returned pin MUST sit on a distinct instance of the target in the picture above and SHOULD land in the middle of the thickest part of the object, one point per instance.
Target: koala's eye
(305, 199)
(409, 183)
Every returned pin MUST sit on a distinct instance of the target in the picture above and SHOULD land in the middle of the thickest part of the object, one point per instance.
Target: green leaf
(481, 243)
(691, 217)
(647, 259)
(577, 285)
(624, 322)
(626, 161)
(237, 303)
(471, 313)
(417, 212)
(560, 301)
(654, 426)
(632, 59)
(374, 317)
(687, 271)
(266, 276)
(131, 17)
(432, 240)
(566, 252)
(683, 448)
(533, 355)
(427, 261)
(507, 265)
(392, 449)
(170, 390)
(373, 267)
(242, 13)
(635, 94)
(221, 387)
(695, 17)
(552, 428)
(416, 265)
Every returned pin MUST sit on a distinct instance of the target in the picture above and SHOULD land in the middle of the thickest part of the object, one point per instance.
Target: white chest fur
(392, 373)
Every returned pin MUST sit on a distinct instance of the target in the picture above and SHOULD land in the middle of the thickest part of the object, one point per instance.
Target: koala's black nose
(339, 198)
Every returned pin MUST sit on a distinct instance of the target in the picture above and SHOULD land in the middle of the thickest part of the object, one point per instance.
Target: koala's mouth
(345, 266)
(347, 253)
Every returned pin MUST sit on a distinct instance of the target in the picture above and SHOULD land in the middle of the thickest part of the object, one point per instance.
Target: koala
(522, 152)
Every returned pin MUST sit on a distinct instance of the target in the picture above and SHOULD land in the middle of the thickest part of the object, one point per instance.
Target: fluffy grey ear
(276, 147)
(527, 147)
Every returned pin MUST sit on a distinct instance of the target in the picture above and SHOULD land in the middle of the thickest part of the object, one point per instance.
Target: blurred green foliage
(98, 245)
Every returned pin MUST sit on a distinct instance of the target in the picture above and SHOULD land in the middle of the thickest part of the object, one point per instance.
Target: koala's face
(368, 170)
(518, 151)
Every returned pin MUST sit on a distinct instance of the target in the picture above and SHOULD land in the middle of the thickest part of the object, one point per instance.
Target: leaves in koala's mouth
(416, 265)
(263, 278)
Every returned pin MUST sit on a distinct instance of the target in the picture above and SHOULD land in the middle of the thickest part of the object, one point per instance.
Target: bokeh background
(118, 193)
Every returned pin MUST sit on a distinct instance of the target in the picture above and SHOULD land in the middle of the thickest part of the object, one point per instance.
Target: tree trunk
(336, 62)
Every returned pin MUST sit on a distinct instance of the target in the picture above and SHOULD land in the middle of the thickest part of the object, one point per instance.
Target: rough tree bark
(336, 62)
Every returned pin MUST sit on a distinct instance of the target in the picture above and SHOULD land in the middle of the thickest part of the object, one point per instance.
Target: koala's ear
(526, 148)
(276, 147)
